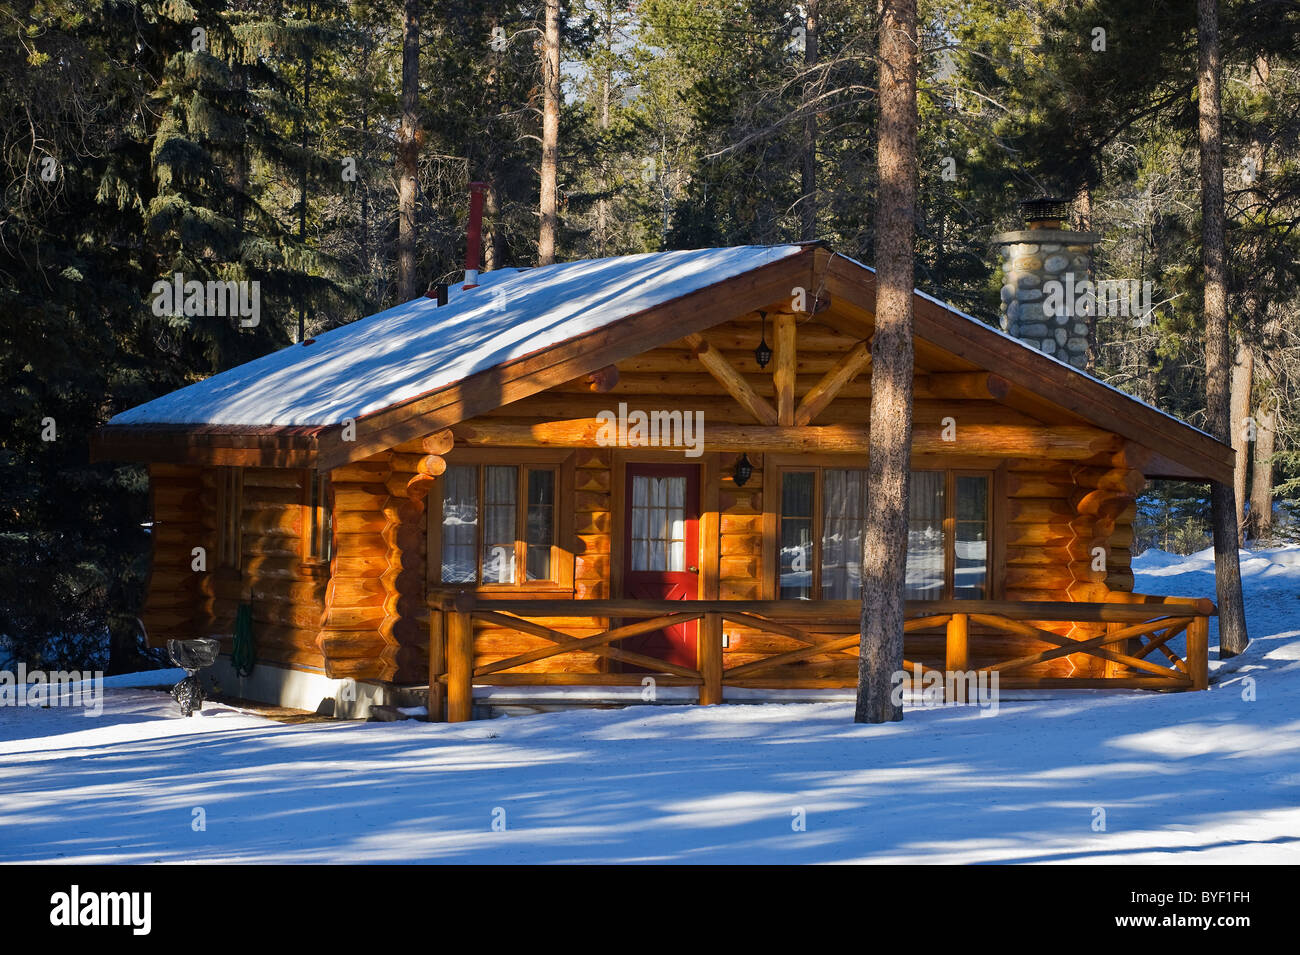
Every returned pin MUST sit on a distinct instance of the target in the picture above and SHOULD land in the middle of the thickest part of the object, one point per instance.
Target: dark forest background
(249, 139)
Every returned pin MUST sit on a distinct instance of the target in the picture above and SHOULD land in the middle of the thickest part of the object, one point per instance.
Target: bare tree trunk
(550, 131)
(408, 150)
(1218, 362)
(1243, 377)
(808, 226)
(302, 179)
(888, 478)
(1083, 217)
(606, 82)
(1259, 523)
(493, 238)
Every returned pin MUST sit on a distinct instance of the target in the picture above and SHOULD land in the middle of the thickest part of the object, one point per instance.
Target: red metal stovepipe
(476, 190)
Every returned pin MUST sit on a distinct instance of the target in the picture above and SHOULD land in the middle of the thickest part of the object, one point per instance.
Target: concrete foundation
(297, 689)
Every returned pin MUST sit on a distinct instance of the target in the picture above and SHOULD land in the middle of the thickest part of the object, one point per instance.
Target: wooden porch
(1130, 634)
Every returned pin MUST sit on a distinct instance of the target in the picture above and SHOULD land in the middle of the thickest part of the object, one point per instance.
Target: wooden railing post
(437, 663)
(460, 660)
(709, 654)
(956, 658)
(1198, 652)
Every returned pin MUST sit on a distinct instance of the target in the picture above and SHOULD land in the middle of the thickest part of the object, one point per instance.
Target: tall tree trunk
(808, 226)
(606, 82)
(550, 131)
(302, 177)
(408, 150)
(1260, 520)
(1218, 360)
(1243, 378)
(493, 238)
(888, 477)
(1083, 218)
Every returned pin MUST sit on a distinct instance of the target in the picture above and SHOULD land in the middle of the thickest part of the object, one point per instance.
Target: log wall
(173, 598)
(366, 615)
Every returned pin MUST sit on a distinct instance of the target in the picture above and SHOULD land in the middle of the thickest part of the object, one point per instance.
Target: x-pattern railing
(1135, 629)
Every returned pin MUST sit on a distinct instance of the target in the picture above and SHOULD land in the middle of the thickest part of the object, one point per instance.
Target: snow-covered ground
(1189, 777)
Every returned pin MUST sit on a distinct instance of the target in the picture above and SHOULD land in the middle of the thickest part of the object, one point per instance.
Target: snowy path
(1192, 777)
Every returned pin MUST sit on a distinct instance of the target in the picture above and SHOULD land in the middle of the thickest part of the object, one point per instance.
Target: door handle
(693, 570)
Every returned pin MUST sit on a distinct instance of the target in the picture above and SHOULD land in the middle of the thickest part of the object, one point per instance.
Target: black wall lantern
(762, 354)
(743, 470)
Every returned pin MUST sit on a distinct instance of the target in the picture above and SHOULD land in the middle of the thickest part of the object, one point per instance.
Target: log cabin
(650, 469)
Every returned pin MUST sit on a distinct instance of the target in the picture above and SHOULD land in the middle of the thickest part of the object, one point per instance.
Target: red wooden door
(661, 551)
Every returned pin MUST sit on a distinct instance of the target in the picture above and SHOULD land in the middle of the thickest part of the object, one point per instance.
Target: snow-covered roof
(1038, 352)
(415, 348)
(418, 349)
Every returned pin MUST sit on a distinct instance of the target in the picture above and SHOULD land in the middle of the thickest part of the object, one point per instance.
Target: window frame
(230, 518)
(557, 461)
(318, 516)
(777, 467)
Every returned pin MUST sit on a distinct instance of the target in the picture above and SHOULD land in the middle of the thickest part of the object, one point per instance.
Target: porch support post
(709, 650)
(1198, 652)
(460, 660)
(955, 659)
(437, 665)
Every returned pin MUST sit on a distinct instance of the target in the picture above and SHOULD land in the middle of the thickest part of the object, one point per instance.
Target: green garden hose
(243, 657)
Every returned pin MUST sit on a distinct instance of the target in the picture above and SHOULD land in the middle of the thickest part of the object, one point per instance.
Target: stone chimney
(1045, 260)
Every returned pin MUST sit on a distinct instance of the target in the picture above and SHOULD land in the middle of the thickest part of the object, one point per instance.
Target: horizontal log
(851, 407)
(292, 615)
(359, 522)
(355, 591)
(360, 497)
(968, 385)
(1064, 442)
(360, 472)
(1126, 481)
(602, 380)
(360, 668)
(821, 610)
(268, 636)
(273, 521)
(580, 679)
(438, 443)
(270, 478)
(348, 644)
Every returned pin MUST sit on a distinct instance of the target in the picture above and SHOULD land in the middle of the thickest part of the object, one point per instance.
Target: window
(658, 540)
(230, 503)
(320, 518)
(498, 520)
(820, 534)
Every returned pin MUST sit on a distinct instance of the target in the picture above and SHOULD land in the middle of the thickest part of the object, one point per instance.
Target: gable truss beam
(856, 361)
(731, 379)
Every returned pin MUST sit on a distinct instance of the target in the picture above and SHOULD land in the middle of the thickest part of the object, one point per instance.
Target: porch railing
(1134, 642)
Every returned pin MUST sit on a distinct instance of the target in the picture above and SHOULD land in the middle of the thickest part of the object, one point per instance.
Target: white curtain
(844, 494)
(459, 524)
(658, 523)
(500, 489)
(925, 559)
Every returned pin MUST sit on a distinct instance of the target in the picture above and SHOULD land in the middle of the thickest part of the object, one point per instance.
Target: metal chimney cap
(1044, 208)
